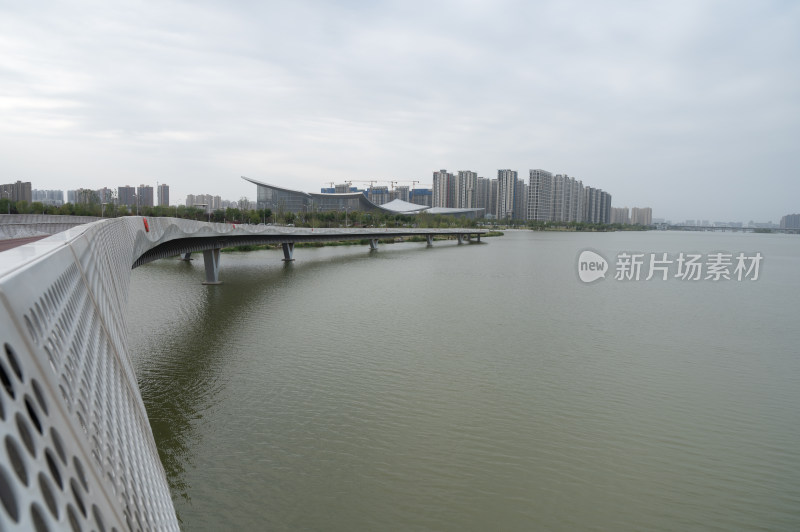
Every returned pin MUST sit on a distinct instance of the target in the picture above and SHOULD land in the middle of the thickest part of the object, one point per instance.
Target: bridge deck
(79, 451)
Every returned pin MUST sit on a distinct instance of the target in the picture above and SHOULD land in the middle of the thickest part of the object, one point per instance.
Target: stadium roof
(403, 207)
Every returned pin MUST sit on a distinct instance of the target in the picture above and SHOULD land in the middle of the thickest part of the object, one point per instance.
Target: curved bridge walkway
(77, 449)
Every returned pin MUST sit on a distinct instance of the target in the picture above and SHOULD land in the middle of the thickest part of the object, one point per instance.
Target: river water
(475, 387)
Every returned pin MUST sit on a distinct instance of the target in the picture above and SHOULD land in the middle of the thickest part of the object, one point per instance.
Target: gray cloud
(685, 106)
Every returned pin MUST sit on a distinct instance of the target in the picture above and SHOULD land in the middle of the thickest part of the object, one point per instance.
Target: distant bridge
(723, 229)
(78, 452)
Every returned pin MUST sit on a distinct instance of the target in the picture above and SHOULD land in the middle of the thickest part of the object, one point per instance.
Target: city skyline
(402, 192)
(475, 192)
(647, 100)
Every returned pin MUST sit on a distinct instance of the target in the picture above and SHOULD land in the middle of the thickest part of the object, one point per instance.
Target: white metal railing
(78, 450)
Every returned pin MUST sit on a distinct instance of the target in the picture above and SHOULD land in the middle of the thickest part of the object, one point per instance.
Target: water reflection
(181, 369)
(180, 334)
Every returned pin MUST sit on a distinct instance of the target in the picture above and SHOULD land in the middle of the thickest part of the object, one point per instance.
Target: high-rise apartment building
(163, 195)
(590, 205)
(443, 189)
(105, 195)
(483, 189)
(145, 195)
(207, 201)
(642, 216)
(47, 197)
(521, 200)
(560, 195)
(19, 191)
(86, 196)
(597, 208)
(576, 201)
(493, 198)
(378, 195)
(566, 194)
(402, 193)
(126, 196)
(544, 197)
(790, 221)
(540, 195)
(605, 208)
(506, 188)
(421, 196)
(465, 193)
(620, 215)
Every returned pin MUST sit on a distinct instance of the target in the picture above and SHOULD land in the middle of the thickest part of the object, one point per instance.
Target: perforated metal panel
(77, 449)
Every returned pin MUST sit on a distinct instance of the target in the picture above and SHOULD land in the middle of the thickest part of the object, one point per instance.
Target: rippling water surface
(474, 387)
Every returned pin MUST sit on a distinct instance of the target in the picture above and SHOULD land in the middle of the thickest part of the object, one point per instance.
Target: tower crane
(372, 182)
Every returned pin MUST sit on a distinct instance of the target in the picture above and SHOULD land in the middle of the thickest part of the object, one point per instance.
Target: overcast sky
(689, 107)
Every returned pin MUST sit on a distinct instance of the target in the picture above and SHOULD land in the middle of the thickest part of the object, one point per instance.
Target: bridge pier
(460, 238)
(288, 251)
(429, 238)
(186, 256)
(373, 244)
(478, 237)
(211, 260)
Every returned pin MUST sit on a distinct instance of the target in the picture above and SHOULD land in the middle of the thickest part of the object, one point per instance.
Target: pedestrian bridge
(77, 450)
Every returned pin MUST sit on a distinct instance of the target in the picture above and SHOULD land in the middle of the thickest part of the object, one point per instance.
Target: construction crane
(413, 183)
(351, 181)
(372, 182)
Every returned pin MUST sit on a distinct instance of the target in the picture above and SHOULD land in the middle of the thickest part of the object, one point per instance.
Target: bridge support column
(373, 244)
(211, 260)
(429, 238)
(478, 237)
(288, 251)
(460, 238)
(186, 256)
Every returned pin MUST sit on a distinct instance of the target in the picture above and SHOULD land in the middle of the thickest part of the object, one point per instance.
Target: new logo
(591, 266)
